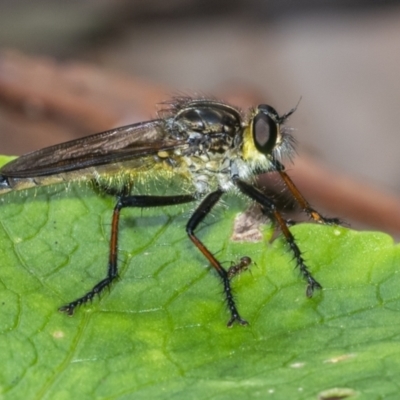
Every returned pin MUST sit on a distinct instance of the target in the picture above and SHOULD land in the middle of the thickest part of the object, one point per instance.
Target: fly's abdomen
(8, 184)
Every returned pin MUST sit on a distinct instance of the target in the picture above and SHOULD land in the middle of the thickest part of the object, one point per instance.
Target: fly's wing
(116, 145)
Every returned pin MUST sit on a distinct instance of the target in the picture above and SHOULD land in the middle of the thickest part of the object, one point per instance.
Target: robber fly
(214, 147)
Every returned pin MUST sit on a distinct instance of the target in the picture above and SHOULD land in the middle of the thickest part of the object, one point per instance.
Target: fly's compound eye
(265, 129)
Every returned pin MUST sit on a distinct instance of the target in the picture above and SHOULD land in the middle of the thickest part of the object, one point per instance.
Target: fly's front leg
(124, 201)
(271, 210)
(202, 210)
(304, 204)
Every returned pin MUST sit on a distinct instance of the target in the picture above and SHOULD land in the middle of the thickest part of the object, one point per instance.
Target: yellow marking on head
(250, 151)
(253, 157)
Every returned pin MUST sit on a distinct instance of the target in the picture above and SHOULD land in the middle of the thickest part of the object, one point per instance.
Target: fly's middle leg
(200, 213)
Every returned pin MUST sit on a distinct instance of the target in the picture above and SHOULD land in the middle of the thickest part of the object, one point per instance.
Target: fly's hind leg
(123, 200)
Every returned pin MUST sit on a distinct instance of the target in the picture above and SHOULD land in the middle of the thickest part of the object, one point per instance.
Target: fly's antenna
(284, 117)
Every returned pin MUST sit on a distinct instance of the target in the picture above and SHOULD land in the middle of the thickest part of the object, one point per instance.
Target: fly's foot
(312, 285)
(236, 318)
(68, 309)
(330, 221)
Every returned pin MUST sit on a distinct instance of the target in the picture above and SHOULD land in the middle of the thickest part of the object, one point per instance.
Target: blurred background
(76, 67)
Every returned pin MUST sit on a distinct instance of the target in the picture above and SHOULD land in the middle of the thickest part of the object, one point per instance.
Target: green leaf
(160, 332)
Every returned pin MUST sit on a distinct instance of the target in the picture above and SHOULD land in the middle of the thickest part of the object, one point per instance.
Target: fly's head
(265, 139)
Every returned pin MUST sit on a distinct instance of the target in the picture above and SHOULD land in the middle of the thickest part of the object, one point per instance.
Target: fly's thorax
(211, 131)
(208, 170)
(206, 117)
(205, 125)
